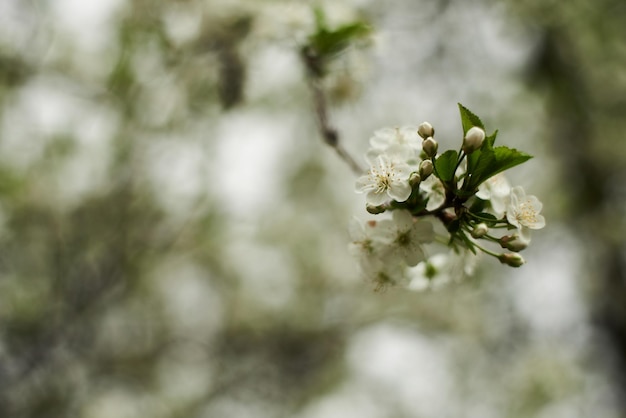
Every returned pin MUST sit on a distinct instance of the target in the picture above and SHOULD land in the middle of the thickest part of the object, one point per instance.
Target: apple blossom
(496, 190)
(523, 211)
(405, 137)
(434, 191)
(387, 178)
(406, 237)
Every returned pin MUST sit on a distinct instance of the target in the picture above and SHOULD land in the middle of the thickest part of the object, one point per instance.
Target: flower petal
(400, 191)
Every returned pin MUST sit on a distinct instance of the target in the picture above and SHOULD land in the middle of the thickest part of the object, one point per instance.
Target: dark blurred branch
(314, 74)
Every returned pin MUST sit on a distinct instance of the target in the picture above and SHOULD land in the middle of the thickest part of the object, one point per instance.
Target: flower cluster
(458, 198)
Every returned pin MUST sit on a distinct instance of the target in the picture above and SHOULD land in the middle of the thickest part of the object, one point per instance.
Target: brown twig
(329, 133)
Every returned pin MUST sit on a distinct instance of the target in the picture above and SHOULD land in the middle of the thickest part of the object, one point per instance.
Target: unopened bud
(511, 259)
(473, 139)
(513, 242)
(425, 130)
(426, 169)
(430, 146)
(480, 230)
(375, 210)
(414, 179)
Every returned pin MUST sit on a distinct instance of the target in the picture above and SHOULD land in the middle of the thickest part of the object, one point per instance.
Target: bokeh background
(173, 230)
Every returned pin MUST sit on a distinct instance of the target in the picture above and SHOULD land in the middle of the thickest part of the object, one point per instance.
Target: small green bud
(480, 230)
(473, 139)
(511, 259)
(425, 130)
(430, 146)
(513, 242)
(414, 179)
(426, 169)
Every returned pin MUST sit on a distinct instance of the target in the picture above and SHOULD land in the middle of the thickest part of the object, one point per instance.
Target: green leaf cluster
(485, 162)
(325, 43)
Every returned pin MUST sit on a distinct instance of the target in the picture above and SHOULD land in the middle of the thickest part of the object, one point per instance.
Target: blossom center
(404, 239)
(526, 214)
(383, 175)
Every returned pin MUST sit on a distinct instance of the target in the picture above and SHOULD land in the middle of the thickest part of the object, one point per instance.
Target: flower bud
(511, 259)
(430, 146)
(480, 230)
(426, 169)
(375, 210)
(473, 139)
(414, 179)
(425, 130)
(513, 242)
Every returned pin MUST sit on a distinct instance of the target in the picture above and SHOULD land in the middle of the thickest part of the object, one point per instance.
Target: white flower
(434, 191)
(441, 269)
(384, 274)
(370, 247)
(367, 241)
(405, 236)
(496, 190)
(523, 212)
(429, 274)
(387, 178)
(405, 136)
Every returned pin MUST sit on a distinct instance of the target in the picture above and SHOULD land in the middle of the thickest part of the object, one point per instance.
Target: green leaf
(478, 205)
(320, 19)
(445, 166)
(490, 161)
(328, 42)
(487, 218)
(509, 157)
(491, 139)
(469, 119)
(468, 242)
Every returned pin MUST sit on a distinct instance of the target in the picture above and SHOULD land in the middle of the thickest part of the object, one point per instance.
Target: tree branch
(328, 132)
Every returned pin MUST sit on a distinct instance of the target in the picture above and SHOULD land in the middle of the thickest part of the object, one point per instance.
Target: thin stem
(486, 251)
(491, 238)
(461, 157)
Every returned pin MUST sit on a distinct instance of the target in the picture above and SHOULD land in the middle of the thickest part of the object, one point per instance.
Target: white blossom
(435, 192)
(383, 275)
(430, 273)
(387, 177)
(496, 190)
(523, 211)
(367, 241)
(370, 246)
(441, 269)
(406, 237)
(405, 136)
